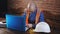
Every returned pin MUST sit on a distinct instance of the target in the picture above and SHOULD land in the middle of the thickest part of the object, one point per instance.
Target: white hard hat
(42, 27)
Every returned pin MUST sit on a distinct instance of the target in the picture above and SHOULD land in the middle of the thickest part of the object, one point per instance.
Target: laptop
(16, 22)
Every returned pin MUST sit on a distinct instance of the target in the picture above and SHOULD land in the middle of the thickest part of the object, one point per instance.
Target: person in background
(32, 15)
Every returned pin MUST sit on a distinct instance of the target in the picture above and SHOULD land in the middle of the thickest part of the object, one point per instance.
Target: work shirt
(32, 17)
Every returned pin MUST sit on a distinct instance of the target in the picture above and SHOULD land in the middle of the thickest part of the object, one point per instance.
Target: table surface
(9, 31)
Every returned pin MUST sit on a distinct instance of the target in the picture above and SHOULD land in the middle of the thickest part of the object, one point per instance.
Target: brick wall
(50, 5)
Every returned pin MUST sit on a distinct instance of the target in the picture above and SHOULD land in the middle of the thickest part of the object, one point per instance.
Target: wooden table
(8, 31)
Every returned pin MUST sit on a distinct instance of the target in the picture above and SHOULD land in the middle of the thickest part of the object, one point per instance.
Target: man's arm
(37, 17)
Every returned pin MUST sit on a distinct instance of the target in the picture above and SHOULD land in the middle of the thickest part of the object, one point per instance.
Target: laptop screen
(15, 22)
